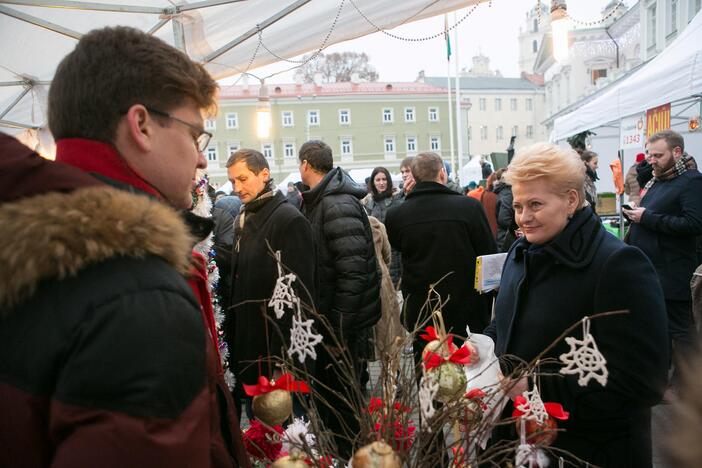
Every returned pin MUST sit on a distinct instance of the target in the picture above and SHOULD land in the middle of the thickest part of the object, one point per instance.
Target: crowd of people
(109, 354)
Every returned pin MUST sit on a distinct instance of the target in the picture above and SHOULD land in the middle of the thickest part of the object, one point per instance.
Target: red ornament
(262, 442)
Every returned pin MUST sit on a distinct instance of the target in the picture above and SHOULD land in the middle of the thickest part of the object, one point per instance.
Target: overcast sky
(492, 30)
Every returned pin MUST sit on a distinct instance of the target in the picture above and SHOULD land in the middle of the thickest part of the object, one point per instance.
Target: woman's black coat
(546, 289)
(277, 225)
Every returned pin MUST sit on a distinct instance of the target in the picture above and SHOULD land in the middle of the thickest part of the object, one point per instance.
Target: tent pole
(40, 22)
(178, 34)
(620, 155)
(87, 6)
(13, 103)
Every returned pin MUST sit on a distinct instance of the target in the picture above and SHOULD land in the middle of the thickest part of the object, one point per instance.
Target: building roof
(484, 82)
(329, 89)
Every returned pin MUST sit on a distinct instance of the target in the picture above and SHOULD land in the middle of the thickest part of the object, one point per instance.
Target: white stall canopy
(672, 76)
(228, 36)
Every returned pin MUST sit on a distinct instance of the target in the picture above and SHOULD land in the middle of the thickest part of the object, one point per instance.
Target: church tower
(531, 35)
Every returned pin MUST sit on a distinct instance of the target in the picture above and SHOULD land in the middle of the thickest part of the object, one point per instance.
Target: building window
(233, 148)
(536, 25)
(389, 145)
(483, 132)
(513, 104)
(498, 104)
(232, 119)
(672, 25)
(433, 114)
(483, 103)
(499, 133)
(210, 124)
(409, 114)
(313, 118)
(344, 116)
(411, 145)
(515, 131)
(287, 117)
(267, 150)
(651, 33)
(346, 149)
(530, 132)
(289, 150)
(534, 46)
(597, 74)
(529, 104)
(387, 115)
(435, 143)
(211, 153)
(470, 133)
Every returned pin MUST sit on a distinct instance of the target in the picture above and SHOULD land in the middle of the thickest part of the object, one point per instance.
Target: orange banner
(657, 119)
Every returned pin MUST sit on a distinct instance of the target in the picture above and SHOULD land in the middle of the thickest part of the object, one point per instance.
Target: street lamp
(559, 30)
(263, 113)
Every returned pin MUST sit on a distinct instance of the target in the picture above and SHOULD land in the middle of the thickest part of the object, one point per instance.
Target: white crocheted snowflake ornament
(283, 295)
(584, 359)
(302, 338)
(533, 407)
(428, 388)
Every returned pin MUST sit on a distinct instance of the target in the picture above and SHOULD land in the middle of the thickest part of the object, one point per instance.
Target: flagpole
(448, 88)
(459, 119)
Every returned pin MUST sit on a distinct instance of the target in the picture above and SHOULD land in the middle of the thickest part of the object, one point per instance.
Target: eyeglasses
(203, 136)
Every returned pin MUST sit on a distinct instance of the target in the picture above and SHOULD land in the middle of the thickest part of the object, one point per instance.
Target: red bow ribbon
(555, 410)
(286, 382)
(475, 394)
(459, 356)
(430, 335)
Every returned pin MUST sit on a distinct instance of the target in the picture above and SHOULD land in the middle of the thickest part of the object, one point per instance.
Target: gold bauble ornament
(438, 347)
(376, 455)
(471, 414)
(452, 381)
(294, 460)
(273, 408)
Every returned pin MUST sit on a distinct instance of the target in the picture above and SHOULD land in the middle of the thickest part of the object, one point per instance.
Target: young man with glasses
(106, 356)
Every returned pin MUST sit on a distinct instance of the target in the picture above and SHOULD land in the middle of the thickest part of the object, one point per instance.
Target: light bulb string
(580, 22)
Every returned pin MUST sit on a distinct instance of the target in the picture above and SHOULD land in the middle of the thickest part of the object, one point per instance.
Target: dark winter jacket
(546, 289)
(644, 173)
(667, 231)
(105, 359)
(439, 231)
(252, 329)
(506, 225)
(347, 270)
(223, 214)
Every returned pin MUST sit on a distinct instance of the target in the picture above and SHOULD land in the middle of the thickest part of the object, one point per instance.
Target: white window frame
(435, 143)
(346, 156)
(228, 117)
(498, 104)
(529, 131)
(310, 113)
(347, 113)
(213, 149)
(388, 111)
(391, 153)
(499, 133)
(272, 148)
(529, 105)
(290, 114)
(433, 114)
(412, 138)
(412, 113)
(286, 145)
(672, 14)
(651, 18)
(515, 130)
(482, 104)
(483, 132)
(210, 124)
(513, 104)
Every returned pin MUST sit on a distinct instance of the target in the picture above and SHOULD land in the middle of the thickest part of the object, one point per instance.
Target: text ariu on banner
(657, 119)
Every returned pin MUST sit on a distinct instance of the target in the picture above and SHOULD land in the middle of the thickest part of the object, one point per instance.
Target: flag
(446, 36)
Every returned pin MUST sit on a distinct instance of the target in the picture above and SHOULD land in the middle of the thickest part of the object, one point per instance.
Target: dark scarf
(682, 165)
(592, 174)
(380, 196)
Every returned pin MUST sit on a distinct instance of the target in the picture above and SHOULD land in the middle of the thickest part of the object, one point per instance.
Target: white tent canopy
(672, 76)
(228, 36)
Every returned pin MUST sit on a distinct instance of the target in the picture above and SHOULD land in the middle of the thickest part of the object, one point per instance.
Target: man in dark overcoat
(267, 223)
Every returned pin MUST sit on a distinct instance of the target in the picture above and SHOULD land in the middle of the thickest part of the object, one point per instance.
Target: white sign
(631, 133)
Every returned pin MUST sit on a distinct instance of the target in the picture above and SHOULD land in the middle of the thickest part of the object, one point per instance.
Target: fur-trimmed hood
(55, 235)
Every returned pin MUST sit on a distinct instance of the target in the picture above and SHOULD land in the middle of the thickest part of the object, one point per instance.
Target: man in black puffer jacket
(348, 277)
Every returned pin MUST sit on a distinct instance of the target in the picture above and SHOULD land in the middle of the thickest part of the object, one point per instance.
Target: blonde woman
(564, 268)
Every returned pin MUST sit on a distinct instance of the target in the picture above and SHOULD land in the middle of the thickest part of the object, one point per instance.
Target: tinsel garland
(202, 206)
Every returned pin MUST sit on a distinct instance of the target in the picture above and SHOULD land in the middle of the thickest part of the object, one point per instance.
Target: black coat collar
(427, 187)
(576, 245)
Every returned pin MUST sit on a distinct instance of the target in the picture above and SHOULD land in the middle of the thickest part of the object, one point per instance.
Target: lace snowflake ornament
(533, 407)
(585, 359)
(284, 296)
(529, 456)
(302, 338)
(428, 389)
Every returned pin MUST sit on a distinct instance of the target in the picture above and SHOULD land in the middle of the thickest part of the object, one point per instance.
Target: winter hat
(640, 157)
